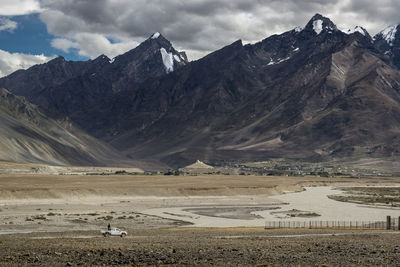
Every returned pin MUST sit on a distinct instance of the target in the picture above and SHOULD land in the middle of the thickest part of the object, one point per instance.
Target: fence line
(378, 225)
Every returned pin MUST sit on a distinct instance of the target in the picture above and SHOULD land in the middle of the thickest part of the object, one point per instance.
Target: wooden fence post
(398, 224)
(388, 222)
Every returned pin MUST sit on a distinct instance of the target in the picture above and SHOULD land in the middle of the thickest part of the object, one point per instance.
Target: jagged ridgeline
(314, 93)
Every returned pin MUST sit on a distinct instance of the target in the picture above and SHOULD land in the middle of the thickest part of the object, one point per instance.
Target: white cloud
(7, 25)
(89, 42)
(19, 7)
(92, 45)
(10, 62)
(64, 45)
(200, 26)
(197, 26)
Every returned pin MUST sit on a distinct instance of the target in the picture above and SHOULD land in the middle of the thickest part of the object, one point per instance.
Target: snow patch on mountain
(317, 26)
(356, 29)
(298, 29)
(389, 34)
(155, 35)
(279, 60)
(168, 60)
(177, 58)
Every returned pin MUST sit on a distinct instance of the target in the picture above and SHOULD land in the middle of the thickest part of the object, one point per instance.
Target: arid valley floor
(197, 220)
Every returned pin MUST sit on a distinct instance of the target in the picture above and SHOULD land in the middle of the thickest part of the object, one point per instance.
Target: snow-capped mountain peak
(318, 26)
(389, 34)
(155, 35)
(319, 23)
(165, 54)
(357, 29)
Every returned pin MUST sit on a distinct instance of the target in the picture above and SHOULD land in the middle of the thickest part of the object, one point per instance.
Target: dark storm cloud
(198, 26)
(376, 13)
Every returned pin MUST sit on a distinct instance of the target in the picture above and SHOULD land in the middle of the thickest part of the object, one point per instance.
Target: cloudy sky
(34, 31)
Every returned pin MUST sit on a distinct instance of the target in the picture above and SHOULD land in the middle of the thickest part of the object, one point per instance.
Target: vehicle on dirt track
(114, 232)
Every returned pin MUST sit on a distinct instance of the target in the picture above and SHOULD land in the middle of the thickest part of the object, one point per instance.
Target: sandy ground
(55, 219)
(88, 202)
(75, 202)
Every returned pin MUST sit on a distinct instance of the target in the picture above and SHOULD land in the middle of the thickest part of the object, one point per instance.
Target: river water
(312, 199)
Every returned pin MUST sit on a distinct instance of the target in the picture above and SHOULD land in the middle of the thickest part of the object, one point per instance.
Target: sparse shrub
(106, 218)
(39, 217)
(324, 174)
(309, 214)
(173, 172)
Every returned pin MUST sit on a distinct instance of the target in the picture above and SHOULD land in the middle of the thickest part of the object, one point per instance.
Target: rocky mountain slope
(388, 43)
(312, 93)
(67, 86)
(315, 93)
(31, 134)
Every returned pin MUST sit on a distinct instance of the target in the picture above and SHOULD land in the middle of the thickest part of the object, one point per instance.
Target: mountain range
(315, 93)
(30, 134)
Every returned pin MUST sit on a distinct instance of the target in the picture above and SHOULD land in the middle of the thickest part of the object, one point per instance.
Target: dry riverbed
(55, 220)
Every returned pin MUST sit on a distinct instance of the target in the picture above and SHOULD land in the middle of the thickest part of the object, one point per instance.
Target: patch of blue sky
(31, 37)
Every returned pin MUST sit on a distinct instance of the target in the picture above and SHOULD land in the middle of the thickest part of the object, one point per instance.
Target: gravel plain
(204, 247)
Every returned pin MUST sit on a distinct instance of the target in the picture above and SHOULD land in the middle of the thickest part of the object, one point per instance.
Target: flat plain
(49, 219)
